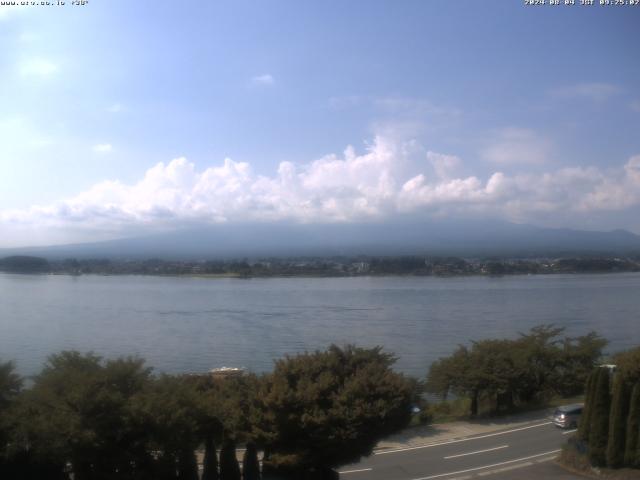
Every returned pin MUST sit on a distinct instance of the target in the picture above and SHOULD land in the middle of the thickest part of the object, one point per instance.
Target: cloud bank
(385, 180)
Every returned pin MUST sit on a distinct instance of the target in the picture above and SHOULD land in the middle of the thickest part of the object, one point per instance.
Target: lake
(182, 324)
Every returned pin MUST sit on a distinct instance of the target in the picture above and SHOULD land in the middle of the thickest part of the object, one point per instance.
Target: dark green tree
(576, 358)
(538, 357)
(250, 464)
(628, 364)
(599, 429)
(169, 411)
(229, 468)
(533, 367)
(455, 374)
(324, 409)
(617, 423)
(10, 386)
(187, 465)
(210, 462)
(77, 412)
(585, 420)
(632, 445)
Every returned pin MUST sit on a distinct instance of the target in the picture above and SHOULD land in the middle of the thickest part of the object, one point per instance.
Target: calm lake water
(191, 324)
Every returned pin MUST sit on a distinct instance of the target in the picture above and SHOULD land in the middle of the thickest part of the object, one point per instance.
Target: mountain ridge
(468, 238)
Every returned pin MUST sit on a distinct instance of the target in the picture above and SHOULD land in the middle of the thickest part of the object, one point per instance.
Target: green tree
(10, 387)
(250, 464)
(628, 364)
(577, 358)
(585, 421)
(187, 465)
(229, 468)
(534, 366)
(599, 429)
(455, 374)
(78, 411)
(617, 423)
(538, 357)
(170, 412)
(632, 445)
(210, 461)
(324, 409)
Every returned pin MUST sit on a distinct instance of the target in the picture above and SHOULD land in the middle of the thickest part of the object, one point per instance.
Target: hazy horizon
(324, 114)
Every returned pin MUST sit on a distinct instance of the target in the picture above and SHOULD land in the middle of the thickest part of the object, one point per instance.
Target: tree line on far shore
(323, 266)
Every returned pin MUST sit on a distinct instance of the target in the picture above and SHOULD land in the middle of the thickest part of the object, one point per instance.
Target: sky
(119, 118)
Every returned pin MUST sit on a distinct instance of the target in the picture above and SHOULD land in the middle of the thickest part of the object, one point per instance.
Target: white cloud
(635, 106)
(517, 146)
(102, 148)
(263, 80)
(39, 67)
(597, 92)
(352, 187)
(445, 166)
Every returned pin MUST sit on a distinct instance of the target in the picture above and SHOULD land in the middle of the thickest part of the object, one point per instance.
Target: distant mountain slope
(408, 237)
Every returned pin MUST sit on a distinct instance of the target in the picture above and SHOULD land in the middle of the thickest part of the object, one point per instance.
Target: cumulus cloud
(263, 80)
(445, 166)
(351, 187)
(102, 148)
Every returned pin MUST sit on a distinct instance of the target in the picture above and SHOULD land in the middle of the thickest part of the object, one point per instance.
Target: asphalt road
(475, 456)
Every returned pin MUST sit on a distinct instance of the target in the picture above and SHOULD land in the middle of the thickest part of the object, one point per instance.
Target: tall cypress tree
(599, 428)
(250, 464)
(585, 421)
(632, 446)
(210, 462)
(165, 467)
(187, 465)
(617, 423)
(229, 468)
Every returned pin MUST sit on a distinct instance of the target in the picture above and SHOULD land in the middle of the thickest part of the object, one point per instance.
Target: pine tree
(599, 428)
(210, 462)
(229, 468)
(632, 446)
(617, 423)
(585, 421)
(165, 467)
(187, 465)
(250, 464)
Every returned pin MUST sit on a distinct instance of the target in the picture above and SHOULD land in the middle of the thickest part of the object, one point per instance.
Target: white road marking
(505, 469)
(487, 466)
(355, 471)
(569, 431)
(478, 451)
(385, 452)
(542, 460)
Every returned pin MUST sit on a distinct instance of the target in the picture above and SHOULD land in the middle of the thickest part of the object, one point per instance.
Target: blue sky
(449, 109)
